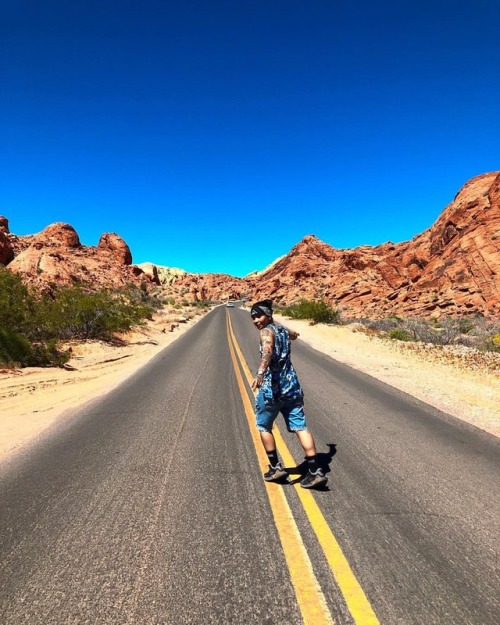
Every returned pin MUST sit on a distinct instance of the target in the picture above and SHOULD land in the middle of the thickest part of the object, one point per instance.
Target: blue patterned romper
(280, 390)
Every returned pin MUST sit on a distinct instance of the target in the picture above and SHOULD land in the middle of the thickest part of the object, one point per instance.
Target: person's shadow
(324, 460)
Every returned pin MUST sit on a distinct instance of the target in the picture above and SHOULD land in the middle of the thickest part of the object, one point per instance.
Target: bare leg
(268, 441)
(307, 441)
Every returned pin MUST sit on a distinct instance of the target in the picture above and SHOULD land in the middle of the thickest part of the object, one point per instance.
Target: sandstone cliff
(160, 274)
(55, 256)
(451, 268)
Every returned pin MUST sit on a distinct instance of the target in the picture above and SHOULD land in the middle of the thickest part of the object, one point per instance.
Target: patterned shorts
(292, 411)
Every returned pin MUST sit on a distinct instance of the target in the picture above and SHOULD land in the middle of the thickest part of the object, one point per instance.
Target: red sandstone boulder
(4, 224)
(6, 251)
(150, 270)
(56, 257)
(117, 246)
(57, 235)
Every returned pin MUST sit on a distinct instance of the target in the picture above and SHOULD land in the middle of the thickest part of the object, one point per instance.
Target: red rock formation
(194, 287)
(6, 250)
(151, 271)
(55, 256)
(452, 268)
(57, 235)
(117, 246)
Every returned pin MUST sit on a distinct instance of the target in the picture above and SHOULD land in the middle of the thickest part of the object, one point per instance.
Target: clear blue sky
(213, 135)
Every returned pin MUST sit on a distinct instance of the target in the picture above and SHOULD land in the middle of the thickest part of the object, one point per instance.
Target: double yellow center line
(310, 598)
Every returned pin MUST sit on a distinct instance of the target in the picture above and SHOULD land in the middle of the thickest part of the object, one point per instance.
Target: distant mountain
(453, 267)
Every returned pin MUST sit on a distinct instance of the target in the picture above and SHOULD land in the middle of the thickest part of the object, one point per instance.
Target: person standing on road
(279, 391)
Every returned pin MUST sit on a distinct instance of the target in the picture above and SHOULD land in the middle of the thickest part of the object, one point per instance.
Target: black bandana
(262, 308)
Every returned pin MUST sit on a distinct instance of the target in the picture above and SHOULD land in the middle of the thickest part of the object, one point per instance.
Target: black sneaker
(275, 473)
(312, 480)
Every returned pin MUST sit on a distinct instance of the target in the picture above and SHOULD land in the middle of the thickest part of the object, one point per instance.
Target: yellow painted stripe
(310, 598)
(355, 598)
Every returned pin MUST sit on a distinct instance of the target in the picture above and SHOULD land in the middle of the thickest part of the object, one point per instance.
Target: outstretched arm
(267, 343)
(292, 334)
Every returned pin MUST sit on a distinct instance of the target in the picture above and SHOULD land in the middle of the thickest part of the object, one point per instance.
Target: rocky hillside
(161, 275)
(452, 268)
(55, 256)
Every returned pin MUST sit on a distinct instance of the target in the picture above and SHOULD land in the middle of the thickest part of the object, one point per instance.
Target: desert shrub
(466, 325)
(75, 313)
(477, 332)
(473, 332)
(383, 326)
(31, 325)
(493, 344)
(48, 354)
(22, 343)
(17, 304)
(204, 303)
(444, 332)
(17, 350)
(399, 334)
(317, 311)
(490, 342)
(484, 335)
(142, 299)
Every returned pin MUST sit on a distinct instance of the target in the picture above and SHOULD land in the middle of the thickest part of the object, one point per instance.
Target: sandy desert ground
(457, 381)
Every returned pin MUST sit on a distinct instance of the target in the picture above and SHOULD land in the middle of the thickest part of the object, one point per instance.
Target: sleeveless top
(280, 379)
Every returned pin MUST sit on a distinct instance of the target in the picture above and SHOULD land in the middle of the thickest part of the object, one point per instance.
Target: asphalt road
(148, 506)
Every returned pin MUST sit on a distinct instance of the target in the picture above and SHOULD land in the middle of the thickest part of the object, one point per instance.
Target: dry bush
(476, 332)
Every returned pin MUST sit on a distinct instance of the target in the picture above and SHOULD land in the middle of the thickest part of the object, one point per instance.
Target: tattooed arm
(267, 345)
